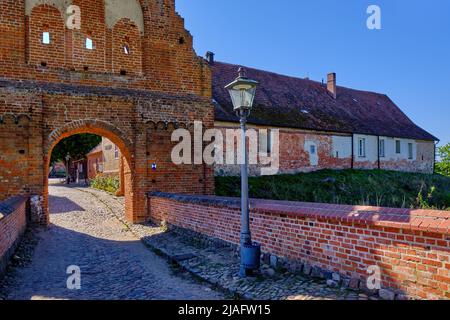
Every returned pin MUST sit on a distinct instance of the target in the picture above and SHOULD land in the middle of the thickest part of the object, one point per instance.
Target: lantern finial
(242, 72)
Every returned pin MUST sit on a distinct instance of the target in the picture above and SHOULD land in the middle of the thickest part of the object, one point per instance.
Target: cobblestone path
(114, 264)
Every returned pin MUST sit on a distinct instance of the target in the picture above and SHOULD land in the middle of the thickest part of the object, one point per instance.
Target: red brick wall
(94, 160)
(49, 19)
(162, 57)
(12, 225)
(93, 26)
(12, 30)
(126, 33)
(165, 83)
(410, 246)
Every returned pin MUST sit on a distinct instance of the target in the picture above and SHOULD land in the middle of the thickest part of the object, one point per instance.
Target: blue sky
(408, 59)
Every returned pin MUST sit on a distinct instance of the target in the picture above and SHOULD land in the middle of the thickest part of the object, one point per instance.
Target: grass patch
(109, 184)
(352, 187)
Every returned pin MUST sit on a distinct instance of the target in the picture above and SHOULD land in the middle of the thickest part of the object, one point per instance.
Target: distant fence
(410, 248)
(13, 222)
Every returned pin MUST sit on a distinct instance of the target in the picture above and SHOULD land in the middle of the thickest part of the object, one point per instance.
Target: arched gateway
(132, 80)
(104, 129)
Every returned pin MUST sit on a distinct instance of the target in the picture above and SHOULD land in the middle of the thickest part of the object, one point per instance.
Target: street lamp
(242, 92)
(67, 168)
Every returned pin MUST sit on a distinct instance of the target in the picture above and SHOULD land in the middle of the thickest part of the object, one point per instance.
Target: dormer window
(89, 43)
(46, 37)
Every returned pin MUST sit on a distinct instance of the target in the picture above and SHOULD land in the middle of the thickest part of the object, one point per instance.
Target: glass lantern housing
(242, 91)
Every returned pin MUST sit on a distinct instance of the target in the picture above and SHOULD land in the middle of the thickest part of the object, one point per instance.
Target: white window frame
(361, 147)
(382, 148)
(265, 147)
(89, 43)
(46, 39)
(410, 151)
(398, 146)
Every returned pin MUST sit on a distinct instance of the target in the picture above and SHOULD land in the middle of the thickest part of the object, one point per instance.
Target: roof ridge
(289, 101)
(298, 78)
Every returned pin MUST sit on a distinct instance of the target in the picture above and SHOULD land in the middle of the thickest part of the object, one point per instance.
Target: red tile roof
(284, 101)
(97, 149)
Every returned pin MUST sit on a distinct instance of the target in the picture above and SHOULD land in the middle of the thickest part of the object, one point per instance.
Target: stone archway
(103, 129)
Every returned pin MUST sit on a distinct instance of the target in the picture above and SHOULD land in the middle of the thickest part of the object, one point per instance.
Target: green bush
(353, 187)
(443, 165)
(106, 183)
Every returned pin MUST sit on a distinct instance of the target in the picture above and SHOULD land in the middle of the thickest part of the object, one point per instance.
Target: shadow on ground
(110, 270)
(62, 205)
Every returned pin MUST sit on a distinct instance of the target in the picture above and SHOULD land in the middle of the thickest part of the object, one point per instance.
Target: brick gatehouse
(129, 73)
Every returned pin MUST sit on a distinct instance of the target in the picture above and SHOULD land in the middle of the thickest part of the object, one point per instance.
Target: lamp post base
(244, 273)
(250, 259)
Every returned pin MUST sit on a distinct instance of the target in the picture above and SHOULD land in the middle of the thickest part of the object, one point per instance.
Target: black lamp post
(242, 92)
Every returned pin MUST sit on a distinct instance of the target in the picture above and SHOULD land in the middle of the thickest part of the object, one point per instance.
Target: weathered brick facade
(411, 247)
(331, 150)
(133, 97)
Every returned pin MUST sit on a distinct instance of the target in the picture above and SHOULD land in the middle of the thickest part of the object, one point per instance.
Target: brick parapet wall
(411, 247)
(13, 222)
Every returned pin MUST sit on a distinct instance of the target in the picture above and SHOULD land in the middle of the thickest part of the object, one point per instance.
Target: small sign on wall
(154, 166)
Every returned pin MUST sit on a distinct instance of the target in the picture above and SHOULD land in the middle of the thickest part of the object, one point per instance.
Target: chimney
(210, 57)
(331, 84)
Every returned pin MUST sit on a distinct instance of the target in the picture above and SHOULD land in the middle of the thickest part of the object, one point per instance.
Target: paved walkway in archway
(114, 264)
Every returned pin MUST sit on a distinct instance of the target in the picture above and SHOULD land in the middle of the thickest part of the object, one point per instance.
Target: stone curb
(175, 261)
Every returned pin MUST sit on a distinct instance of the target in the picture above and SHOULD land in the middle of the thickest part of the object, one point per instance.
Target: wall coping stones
(201, 200)
(9, 205)
(432, 221)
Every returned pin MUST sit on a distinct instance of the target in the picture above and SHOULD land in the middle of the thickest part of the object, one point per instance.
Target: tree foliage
(443, 166)
(77, 146)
